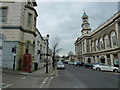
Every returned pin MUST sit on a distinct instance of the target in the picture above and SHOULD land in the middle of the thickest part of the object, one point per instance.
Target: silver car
(60, 65)
(105, 67)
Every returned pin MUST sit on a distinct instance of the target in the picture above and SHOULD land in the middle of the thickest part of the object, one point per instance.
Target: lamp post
(14, 54)
(47, 43)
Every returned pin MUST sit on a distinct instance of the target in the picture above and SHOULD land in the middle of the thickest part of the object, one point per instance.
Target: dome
(84, 15)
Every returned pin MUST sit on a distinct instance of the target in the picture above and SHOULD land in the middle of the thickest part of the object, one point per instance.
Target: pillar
(117, 28)
(96, 59)
(106, 59)
(112, 59)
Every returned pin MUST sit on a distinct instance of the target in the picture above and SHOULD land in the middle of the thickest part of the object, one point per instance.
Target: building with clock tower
(101, 45)
(85, 25)
(83, 41)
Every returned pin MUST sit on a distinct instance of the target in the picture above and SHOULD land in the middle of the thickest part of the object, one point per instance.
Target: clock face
(86, 25)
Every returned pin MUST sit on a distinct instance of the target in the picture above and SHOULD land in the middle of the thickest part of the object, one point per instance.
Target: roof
(85, 15)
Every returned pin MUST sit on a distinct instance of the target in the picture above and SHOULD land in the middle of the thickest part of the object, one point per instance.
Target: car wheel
(98, 69)
(115, 70)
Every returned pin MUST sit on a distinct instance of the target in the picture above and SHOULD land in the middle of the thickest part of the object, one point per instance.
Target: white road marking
(46, 82)
(117, 73)
(8, 85)
(25, 77)
(42, 84)
(5, 85)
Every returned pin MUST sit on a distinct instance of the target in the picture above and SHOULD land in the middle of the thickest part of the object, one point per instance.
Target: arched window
(83, 47)
(101, 43)
(96, 45)
(107, 44)
(113, 39)
(93, 46)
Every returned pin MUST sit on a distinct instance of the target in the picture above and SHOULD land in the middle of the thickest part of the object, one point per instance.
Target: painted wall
(8, 57)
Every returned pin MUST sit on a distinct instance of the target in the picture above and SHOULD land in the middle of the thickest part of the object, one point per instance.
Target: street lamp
(14, 54)
(47, 43)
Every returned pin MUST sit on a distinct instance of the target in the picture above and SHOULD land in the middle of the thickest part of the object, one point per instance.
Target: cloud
(63, 19)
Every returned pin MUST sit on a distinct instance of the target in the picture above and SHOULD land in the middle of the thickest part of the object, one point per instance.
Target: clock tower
(85, 25)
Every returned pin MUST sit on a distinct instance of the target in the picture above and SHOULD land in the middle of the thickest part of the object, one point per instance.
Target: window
(107, 42)
(101, 43)
(96, 44)
(93, 47)
(30, 20)
(3, 14)
(34, 22)
(113, 39)
(83, 47)
(27, 47)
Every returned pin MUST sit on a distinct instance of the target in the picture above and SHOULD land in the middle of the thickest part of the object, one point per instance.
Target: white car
(105, 67)
(60, 65)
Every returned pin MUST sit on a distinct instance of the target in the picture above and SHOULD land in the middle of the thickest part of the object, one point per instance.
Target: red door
(26, 64)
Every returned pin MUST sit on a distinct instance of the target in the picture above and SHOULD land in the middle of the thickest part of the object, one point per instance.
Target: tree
(70, 55)
(55, 50)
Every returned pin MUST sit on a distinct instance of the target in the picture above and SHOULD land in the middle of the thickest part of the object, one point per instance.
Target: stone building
(100, 45)
(1, 48)
(40, 50)
(18, 25)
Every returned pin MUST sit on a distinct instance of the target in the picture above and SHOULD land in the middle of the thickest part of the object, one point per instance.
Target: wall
(8, 57)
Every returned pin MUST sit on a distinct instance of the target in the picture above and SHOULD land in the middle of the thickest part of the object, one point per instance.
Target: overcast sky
(63, 19)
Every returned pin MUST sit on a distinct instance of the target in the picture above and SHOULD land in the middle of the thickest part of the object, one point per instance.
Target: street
(79, 77)
(70, 77)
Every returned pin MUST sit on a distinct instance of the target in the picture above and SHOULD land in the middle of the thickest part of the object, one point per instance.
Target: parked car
(105, 67)
(71, 63)
(90, 65)
(60, 65)
(80, 64)
(75, 63)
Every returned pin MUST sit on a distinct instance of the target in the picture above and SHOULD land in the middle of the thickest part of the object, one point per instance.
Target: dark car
(90, 65)
(80, 64)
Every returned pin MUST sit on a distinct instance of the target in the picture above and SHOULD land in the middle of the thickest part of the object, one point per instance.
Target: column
(96, 59)
(86, 60)
(119, 59)
(112, 59)
(117, 27)
(92, 60)
(106, 60)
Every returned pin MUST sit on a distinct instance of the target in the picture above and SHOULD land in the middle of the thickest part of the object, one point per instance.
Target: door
(26, 64)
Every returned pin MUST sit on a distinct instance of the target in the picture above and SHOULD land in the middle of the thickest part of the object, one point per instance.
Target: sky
(62, 20)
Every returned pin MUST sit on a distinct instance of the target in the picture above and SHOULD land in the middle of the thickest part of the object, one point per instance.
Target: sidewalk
(36, 73)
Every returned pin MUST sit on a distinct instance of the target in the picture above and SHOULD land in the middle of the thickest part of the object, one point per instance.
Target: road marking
(56, 73)
(25, 77)
(117, 73)
(46, 82)
(5, 85)
(8, 85)
(42, 84)
(49, 82)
